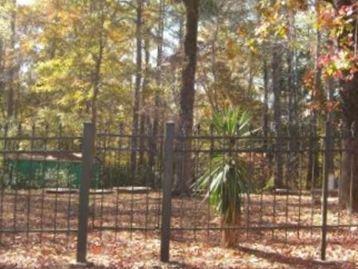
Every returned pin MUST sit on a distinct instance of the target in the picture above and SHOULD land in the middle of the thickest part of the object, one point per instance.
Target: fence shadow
(298, 262)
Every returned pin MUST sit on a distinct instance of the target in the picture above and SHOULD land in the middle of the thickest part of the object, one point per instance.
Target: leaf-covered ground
(138, 251)
(191, 248)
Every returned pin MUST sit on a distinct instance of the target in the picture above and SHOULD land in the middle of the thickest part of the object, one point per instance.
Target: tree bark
(153, 147)
(137, 89)
(293, 143)
(2, 72)
(349, 95)
(230, 237)
(97, 69)
(348, 193)
(187, 93)
(12, 70)
(313, 171)
(349, 181)
(266, 103)
(277, 90)
(143, 116)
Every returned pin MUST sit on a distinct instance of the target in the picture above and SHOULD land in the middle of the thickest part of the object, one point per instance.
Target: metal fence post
(327, 170)
(167, 190)
(87, 164)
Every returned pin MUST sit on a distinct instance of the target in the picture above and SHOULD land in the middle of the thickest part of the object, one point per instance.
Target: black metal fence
(293, 191)
(52, 184)
(35, 163)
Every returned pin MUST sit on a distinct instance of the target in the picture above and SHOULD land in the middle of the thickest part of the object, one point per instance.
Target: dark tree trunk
(348, 186)
(96, 81)
(187, 93)
(143, 116)
(293, 144)
(265, 113)
(266, 102)
(138, 80)
(313, 171)
(10, 104)
(153, 146)
(277, 90)
(349, 94)
(349, 181)
(2, 72)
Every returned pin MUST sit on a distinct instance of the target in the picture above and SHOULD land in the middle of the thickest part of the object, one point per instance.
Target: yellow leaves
(52, 67)
(73, 99)
(116, 35)
(272, 23)
(281, 30)
(266, 29)
(252, 44)
(343, 60)
(63, 15)
(52, 74)
(107, 25)
(5, 11)
(88, 59)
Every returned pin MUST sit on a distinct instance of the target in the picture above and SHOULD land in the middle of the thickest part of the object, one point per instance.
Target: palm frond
(226, 180)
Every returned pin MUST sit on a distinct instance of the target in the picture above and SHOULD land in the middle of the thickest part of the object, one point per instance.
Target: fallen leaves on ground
(137, 250)
(266, 248)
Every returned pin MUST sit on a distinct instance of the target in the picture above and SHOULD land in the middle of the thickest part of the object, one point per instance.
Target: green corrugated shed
(38, 170)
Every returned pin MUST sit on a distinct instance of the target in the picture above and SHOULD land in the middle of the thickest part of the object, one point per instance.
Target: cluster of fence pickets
(57, 184)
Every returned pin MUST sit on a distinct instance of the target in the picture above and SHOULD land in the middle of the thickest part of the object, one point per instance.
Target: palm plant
(226, 180)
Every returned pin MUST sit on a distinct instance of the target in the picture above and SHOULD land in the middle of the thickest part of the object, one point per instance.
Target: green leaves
(224, 183)
(226, 179)
(232, 122)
